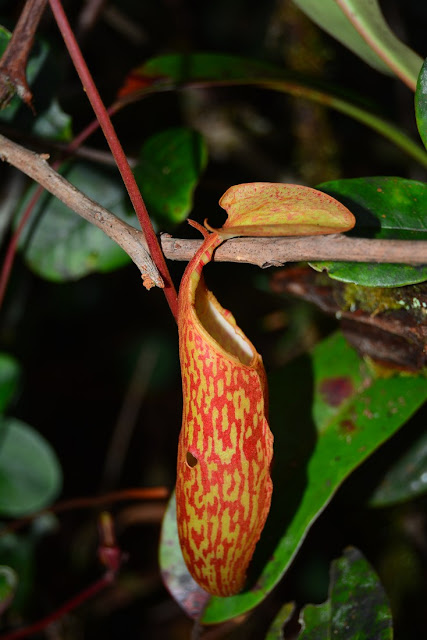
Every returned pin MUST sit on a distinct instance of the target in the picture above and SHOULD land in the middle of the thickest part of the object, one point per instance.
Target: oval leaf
(367, 34)
(58, 244)
(387, 208)
(357, 606)
(276, 209)
(421, 103)
(9, 376)
(30, 475)
(169, 168)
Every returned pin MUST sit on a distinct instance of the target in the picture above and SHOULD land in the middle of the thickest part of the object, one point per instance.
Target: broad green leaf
(171, 72)
(275, 631)
(49, 120)
(367, 34)
(187, 68)
(276, 209)
(168, 170)
(406, 478)
(421, 103)
(9, 376)
(344, 415)
(30, 475)
(384, 207)
(58, 244)
(8, 584)
(357, 607)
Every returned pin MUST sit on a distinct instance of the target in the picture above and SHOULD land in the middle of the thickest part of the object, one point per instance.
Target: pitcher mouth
(216, 322)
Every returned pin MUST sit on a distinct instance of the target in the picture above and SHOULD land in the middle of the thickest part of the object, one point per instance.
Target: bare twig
(274, 252)
(130, 239)
(14, 60)
(264, 252)
(99, 585)
(90, 502)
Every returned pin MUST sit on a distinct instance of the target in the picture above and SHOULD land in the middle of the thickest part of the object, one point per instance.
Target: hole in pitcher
(191, 460)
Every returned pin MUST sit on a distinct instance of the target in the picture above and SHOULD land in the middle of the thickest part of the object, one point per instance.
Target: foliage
(92, 360)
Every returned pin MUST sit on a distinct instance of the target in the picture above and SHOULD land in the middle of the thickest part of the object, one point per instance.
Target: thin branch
(105, 581)
(90, 502)
(275, 252)
(117, 151)
(130, 239)
(14, 60)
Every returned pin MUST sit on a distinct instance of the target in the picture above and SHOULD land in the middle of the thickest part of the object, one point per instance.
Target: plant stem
(116, 150)
(106, 580)
(91, 502)
(275, 252)
(14, 60)
(130, 239)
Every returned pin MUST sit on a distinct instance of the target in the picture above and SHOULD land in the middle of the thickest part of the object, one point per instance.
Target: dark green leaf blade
(172, 71)
(421, 103)
(30, 475)
(169, 168)
(9, 376)
(357, 606)
(344, 416)
(385, 207)
(58, 244)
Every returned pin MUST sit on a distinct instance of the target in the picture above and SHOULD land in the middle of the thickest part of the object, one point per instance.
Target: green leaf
(58, 244)
(277, 209)
(9, 376)
(173, 71)
(344, 415)
(373, 40)
(42, 74)
(8, 584)
(384, 207)
(30, 475)
(357, 607)
(421, 103)
(407, 477)
(275, 632)
(169, 168)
